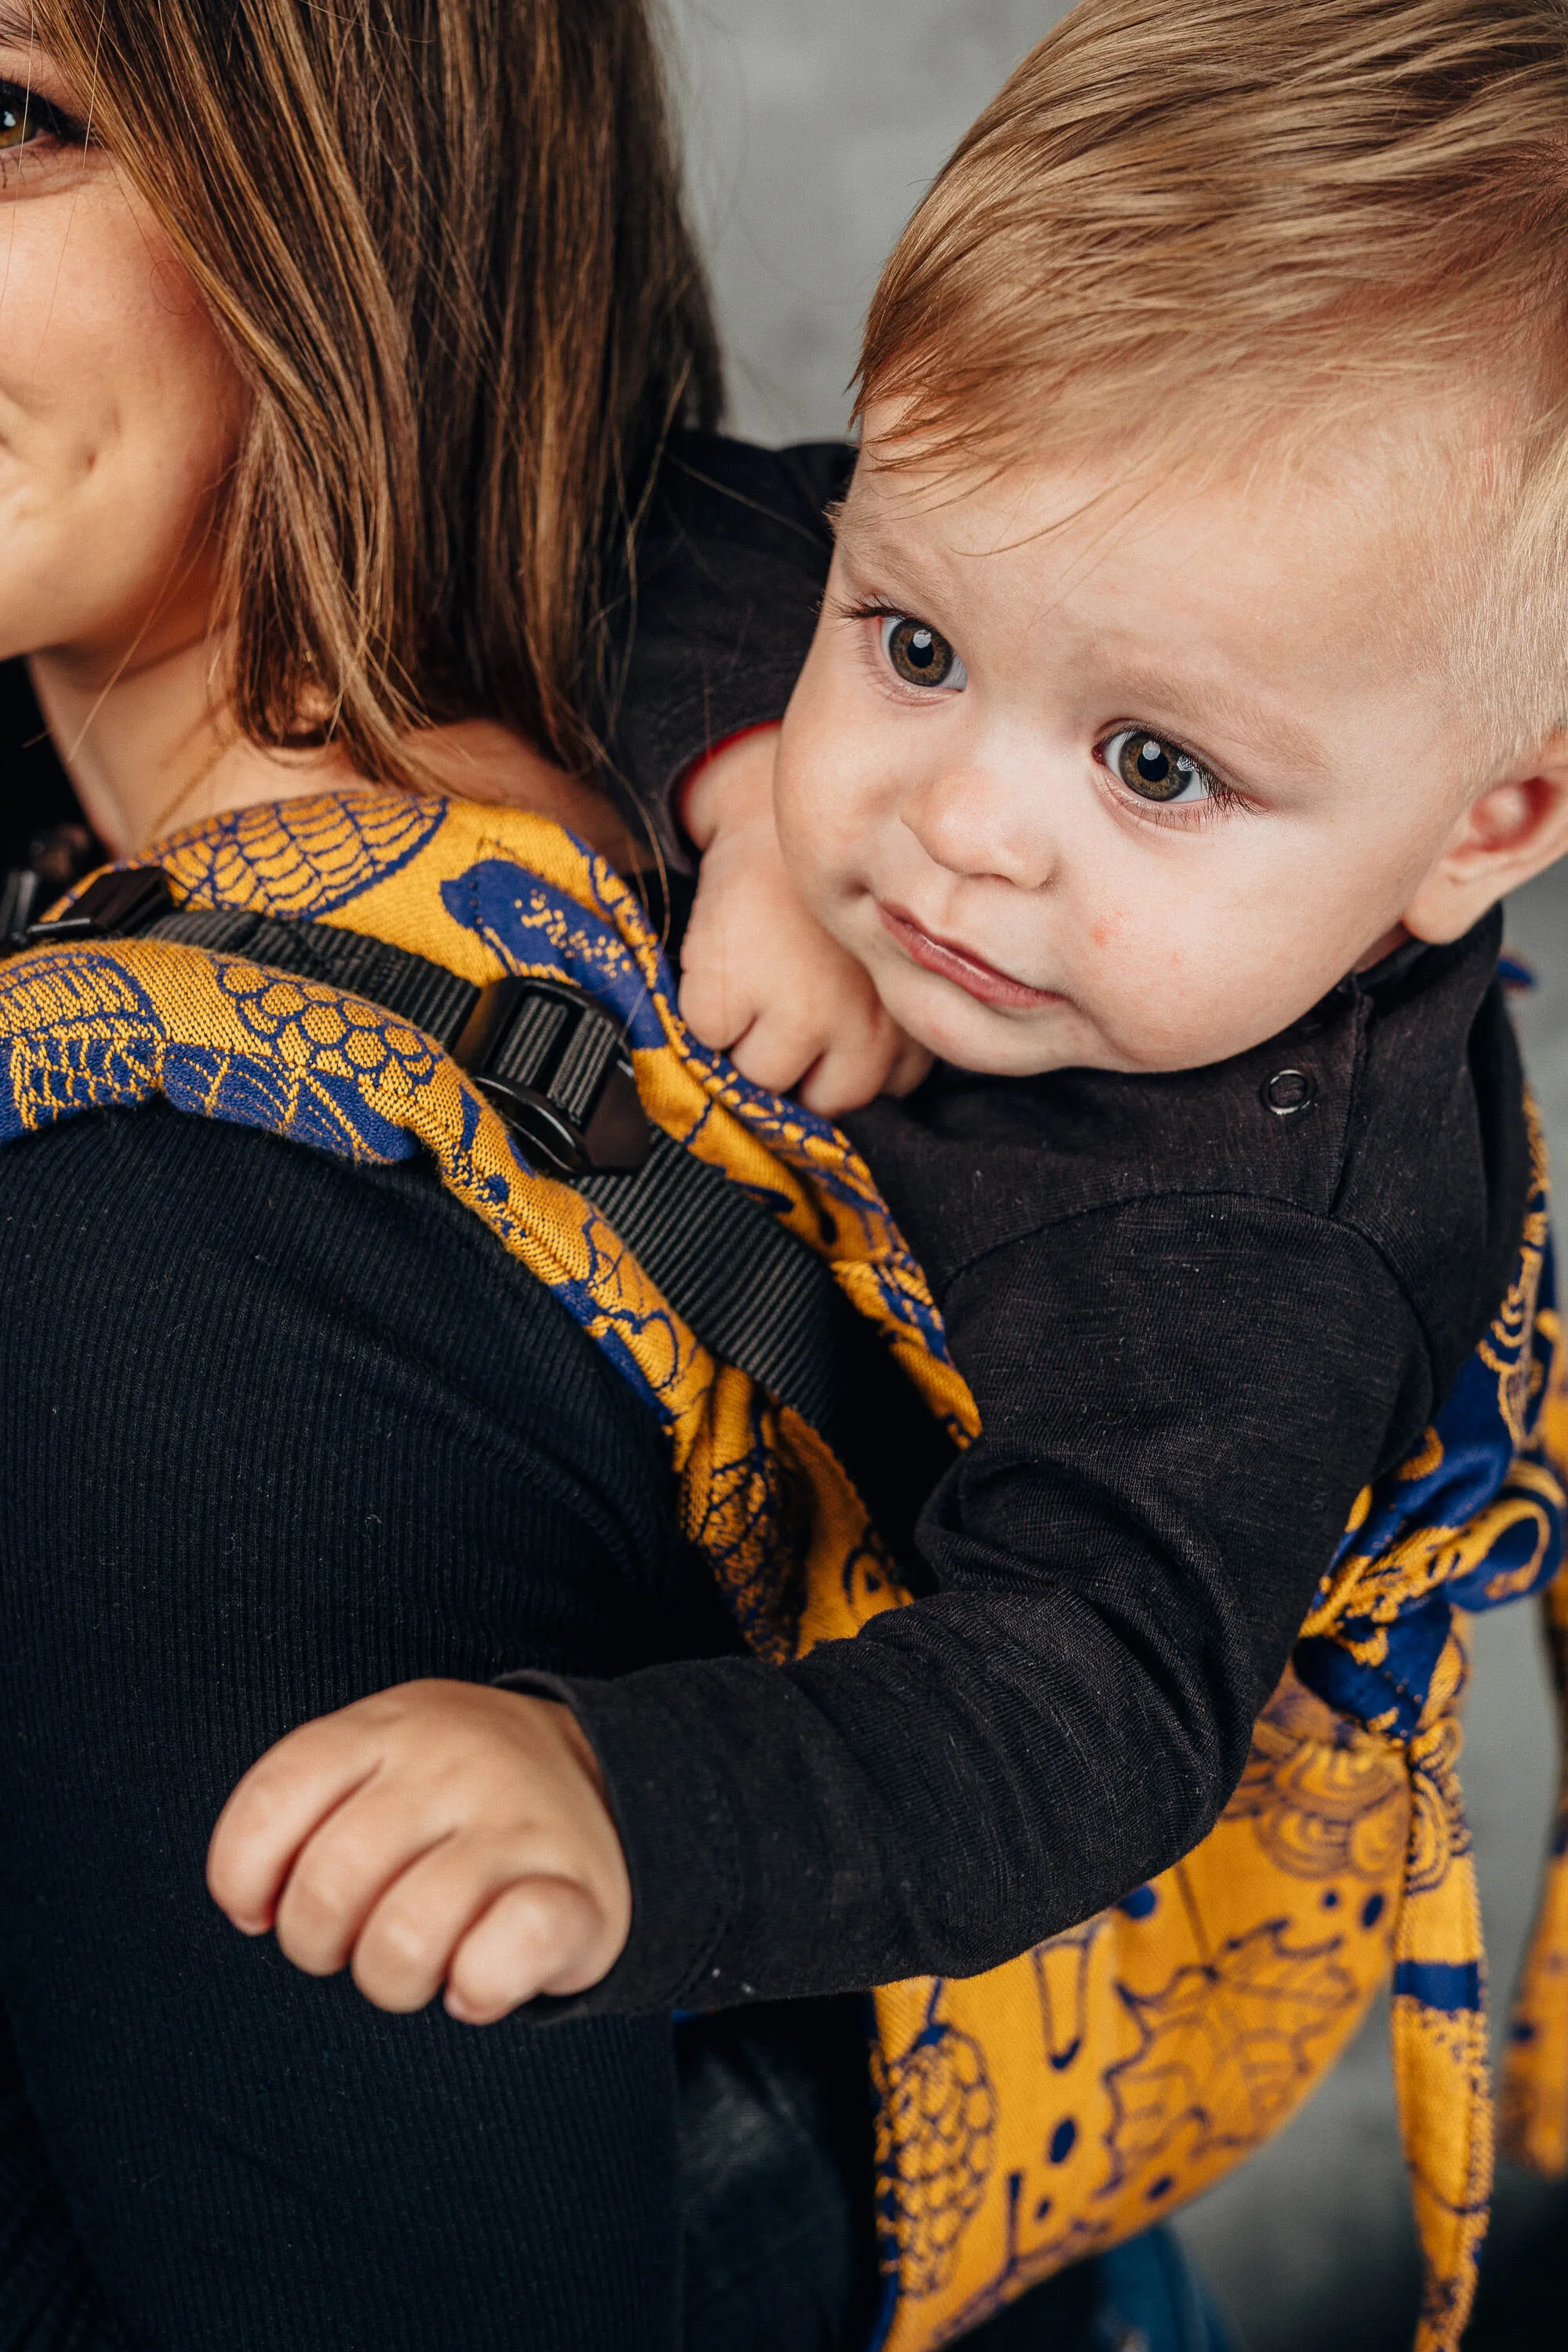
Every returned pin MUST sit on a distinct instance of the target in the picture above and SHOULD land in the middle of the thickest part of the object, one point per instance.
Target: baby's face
(1125, 782)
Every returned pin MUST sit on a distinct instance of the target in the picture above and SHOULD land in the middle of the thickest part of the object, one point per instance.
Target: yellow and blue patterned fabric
(1052, 2108)
(1534, 2109)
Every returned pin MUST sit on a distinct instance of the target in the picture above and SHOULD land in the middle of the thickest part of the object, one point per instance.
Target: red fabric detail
(678, 801)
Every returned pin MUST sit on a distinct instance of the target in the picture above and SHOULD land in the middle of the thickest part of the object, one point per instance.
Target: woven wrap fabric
(1535, 2067)
(1055, 2106)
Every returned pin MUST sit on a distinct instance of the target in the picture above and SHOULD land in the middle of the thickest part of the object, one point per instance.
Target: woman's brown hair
(445, 242)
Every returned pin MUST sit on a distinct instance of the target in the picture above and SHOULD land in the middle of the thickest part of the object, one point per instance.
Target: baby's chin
(995, 1042)
(957, 1028)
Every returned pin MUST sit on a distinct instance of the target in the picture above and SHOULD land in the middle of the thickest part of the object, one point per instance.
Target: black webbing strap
(554, 1062)
(758, 1298)
(425, 994)
(755, 1295)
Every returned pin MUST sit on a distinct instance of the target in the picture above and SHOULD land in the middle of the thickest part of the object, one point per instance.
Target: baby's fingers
(860, 1064)
(848, 1075)
(777, 1050)
(283, 1797)
(346, 1869)
(541, 1935)
(406, 1943)
(911, 1067)
(714, 1005)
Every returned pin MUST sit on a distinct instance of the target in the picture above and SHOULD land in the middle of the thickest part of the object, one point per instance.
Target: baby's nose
(974, 823)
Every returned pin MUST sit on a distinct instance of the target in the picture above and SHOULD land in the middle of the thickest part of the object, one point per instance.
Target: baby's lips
(961, 965)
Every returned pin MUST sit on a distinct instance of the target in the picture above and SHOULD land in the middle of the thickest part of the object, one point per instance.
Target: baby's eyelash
(1191, 815)
(872, 609)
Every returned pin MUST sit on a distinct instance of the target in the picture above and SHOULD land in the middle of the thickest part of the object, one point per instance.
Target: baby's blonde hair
(1214, 220)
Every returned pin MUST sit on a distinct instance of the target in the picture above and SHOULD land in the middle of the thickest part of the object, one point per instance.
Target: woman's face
(119, 411)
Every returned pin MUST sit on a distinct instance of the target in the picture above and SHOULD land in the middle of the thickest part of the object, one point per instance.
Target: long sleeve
(1195, 1330)
(730, 572)
(1122, 1564)
(49, 2299)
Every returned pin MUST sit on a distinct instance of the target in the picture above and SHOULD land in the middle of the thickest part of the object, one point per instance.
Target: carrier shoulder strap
(554, 1063)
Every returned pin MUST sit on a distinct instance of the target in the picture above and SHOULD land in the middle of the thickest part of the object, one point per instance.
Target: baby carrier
(375, 976)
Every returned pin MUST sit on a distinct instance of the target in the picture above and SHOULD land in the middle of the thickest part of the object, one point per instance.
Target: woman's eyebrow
(16, 28)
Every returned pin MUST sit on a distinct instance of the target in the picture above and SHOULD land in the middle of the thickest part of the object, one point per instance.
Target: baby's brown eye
(1156, 768)
(920, 655)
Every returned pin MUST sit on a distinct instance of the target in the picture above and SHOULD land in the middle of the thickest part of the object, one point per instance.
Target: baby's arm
(442, 1833)
(1117, 1590)
(760, 980)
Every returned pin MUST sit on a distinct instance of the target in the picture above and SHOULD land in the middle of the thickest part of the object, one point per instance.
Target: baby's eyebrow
(1213, 703)
(878, 557)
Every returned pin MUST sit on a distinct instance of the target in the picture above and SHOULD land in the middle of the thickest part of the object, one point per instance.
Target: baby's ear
(1515, 830)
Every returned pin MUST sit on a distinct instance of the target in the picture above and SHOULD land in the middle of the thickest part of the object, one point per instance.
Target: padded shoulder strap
(554, 1064)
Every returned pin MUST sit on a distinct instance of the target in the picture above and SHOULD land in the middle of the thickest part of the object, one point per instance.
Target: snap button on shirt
(1289, 1091)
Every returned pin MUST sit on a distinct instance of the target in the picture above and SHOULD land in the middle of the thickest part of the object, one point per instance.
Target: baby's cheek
(1155, 1000)
(816, 828)
(836, 774)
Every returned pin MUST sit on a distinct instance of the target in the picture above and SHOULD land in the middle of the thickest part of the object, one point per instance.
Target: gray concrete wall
(813, 127)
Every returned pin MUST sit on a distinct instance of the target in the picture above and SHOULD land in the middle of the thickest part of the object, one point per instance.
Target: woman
(333, 362)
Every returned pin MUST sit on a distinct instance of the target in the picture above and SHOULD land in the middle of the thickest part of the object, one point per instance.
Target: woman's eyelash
(25, 107)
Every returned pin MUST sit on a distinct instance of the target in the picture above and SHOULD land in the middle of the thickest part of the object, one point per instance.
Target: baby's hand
(438, 1833)
(760, 980)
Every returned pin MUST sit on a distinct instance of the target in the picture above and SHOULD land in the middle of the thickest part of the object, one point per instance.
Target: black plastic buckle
(109, 909)
(555, 1065)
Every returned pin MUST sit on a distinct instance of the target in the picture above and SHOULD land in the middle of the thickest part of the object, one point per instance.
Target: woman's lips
(962, 966)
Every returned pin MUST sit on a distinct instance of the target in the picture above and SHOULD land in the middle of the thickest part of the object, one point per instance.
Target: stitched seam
(1307, 1217)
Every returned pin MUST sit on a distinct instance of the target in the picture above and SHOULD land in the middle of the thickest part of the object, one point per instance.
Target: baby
(1188, 691)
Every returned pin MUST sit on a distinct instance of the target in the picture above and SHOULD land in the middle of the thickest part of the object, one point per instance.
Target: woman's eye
(17, 125)
(25, 118)
(1158, 770)
(919, 654)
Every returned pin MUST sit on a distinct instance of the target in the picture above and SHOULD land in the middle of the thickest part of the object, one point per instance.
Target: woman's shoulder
(175, 1275)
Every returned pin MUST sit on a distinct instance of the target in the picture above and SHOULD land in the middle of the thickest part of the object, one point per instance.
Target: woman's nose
(977, 823)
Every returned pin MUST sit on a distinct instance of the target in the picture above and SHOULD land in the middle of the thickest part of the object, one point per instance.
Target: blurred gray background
(813, 127)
